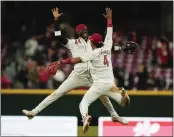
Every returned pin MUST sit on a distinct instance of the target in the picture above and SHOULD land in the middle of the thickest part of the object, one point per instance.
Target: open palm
(108, 14)
(56, 13)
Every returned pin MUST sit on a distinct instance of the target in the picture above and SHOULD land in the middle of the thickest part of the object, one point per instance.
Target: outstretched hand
(108, 14)
(56, 13)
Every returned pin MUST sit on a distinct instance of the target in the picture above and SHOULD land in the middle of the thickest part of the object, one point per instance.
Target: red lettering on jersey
(77, 41)
(106, 62)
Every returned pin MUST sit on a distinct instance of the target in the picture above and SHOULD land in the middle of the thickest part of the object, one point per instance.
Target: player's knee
(125, 102)
(81, 105)
(58, 93)
(114, 88)
(104, 99)
(84, 103)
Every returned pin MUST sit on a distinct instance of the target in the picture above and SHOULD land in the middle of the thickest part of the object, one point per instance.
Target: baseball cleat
(29, 114)
(120, 120)
(86, 123)
(125, 100)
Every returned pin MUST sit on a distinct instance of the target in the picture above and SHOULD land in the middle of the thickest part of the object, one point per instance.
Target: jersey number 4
(106, 62)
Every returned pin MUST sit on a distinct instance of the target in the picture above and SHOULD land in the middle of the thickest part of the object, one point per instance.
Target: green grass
(93, 131)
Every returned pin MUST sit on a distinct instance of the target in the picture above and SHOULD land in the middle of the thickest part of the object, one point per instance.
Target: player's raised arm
(63, 39)
(108, 39)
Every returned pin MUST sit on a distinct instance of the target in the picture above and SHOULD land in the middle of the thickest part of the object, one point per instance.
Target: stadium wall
(154, 104)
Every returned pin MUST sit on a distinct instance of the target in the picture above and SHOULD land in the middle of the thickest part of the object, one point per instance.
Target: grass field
(93, 131)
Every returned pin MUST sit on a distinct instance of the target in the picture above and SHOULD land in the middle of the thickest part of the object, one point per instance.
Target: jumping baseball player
(101, 71)
(80, 76)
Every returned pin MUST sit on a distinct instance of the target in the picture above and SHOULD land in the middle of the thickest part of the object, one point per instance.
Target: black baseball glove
(129, 47)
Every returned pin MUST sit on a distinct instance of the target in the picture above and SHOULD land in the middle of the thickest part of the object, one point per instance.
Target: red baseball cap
(81, 27)
(96, 38)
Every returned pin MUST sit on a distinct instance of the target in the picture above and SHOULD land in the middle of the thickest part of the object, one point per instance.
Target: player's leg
(120, 97)
(105, 100)
(91, 95)
(107, 103)
(88, 98)
(114, 114)
(70, 83)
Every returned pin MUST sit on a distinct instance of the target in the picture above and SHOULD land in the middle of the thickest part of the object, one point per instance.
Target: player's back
(101, 61)
(101, 69)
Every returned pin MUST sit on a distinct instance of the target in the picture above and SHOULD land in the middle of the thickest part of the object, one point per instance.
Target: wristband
(57, 33)
(55, 19)
(66, 61)
(117, 48)
(109, 23)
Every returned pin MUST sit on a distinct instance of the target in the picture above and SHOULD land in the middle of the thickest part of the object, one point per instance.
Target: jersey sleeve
(108, 39)
(70, 44)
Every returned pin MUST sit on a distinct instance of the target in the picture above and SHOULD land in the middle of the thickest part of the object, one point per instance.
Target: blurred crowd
(23, 61)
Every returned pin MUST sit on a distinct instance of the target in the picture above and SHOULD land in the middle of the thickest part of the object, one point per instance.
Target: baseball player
(80, 76)
(101, 71)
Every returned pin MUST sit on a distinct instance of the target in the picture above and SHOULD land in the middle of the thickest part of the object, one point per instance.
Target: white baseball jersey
(100, 58)
(78, 48)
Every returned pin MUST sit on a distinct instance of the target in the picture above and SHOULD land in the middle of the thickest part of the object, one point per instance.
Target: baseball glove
(52, 68)
(130, 47)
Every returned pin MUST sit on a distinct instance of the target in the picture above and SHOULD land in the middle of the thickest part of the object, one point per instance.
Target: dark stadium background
(136, 21)
(148, 17)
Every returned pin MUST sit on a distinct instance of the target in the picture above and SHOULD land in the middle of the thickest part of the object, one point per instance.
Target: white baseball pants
(74, 81)
(97, 90)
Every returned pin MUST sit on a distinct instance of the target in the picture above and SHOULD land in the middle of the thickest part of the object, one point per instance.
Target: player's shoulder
(71, 40)
(105, 47)
(106, 50)
(97, 50)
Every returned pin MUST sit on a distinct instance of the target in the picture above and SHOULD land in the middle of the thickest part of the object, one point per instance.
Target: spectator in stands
(150, 79)
(43, 47)
(31, 45)
(163, 53)
(10, 71)
(119, 75)
(158, 79)
(128, 80)
(32, 74)
(22, 76)
(4, 51)
(167, 76)
(52, 52)
(141, 76)
(42, 76)
(5, 82)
